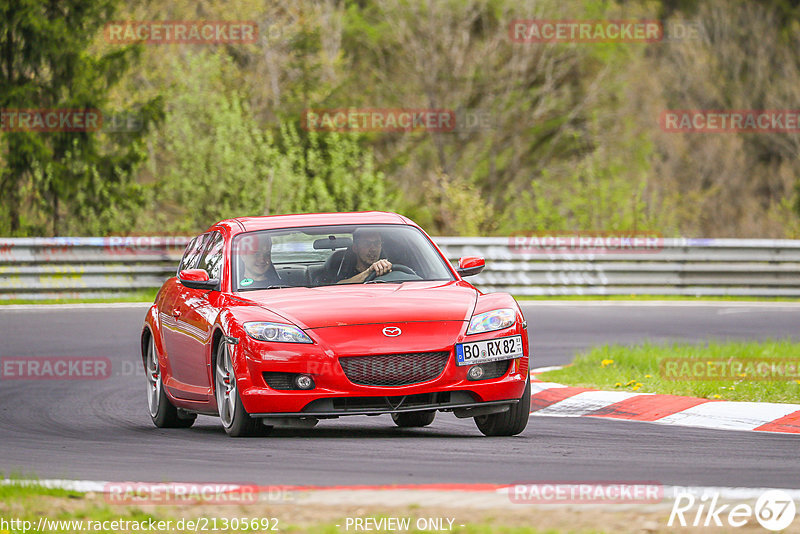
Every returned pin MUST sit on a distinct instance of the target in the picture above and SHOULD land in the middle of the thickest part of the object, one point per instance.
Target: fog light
(304, 382)
(475, 372)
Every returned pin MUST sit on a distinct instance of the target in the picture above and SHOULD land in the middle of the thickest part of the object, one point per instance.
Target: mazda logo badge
(392, 331)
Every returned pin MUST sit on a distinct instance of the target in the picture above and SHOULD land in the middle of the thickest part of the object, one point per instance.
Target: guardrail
(42, 268)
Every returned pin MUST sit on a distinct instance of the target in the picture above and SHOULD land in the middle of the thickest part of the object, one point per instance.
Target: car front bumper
(334, 394)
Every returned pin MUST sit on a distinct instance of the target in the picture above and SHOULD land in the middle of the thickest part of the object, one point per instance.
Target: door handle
(176, 313)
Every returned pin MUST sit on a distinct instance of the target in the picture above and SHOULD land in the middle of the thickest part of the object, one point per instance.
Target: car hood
(353, 304)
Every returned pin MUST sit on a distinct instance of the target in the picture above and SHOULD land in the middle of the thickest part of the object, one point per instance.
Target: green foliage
(215, 158)
(671, 369)
(338, 174)
(85, 177)
(219, 162)
(571, 140)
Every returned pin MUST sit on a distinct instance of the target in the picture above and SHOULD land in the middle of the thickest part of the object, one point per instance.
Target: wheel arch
(216, 339)
(148, 333)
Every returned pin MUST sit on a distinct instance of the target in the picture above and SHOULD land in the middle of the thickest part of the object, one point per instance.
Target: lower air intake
(394, 369)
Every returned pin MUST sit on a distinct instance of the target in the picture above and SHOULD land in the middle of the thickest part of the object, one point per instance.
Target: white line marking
(545, 369)
(670, 492)
(730, 415)
(78, 306)
(793, 306)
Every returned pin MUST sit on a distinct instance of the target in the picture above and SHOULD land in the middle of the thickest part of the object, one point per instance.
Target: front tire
(508, 423)
(413, 419)
(162, 412)
(235, 419)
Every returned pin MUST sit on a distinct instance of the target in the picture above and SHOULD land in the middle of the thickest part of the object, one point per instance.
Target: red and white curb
(467, 495)
(549, 399)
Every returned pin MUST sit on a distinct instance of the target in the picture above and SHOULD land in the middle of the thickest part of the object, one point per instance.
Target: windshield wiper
(277, 287)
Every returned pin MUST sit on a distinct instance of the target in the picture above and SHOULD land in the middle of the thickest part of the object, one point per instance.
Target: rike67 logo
(774, 510)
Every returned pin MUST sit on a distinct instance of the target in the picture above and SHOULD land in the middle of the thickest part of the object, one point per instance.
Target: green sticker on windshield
(246, 281)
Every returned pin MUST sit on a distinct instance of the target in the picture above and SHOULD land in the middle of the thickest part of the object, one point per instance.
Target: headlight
(281, 333)
(492, 320)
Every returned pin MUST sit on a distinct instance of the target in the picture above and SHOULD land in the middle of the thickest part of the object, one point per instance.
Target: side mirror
(197, 279)
(470, 265)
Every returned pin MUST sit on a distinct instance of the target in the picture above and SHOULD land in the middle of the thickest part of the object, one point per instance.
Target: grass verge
(148, 295)
(90, 512)
(740, 371)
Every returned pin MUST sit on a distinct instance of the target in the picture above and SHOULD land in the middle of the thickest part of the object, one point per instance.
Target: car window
(319, 255)
(192, 253)
(211, 260)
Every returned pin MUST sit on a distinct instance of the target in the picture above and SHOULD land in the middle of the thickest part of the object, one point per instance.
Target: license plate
(490, 350)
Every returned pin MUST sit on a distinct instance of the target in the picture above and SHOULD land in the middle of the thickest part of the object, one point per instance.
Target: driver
(363, 258)
(256, 255)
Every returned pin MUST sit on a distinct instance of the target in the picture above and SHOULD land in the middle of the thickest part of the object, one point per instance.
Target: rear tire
(413, 419)
(235, 419)
(508, 423)
(162, 412)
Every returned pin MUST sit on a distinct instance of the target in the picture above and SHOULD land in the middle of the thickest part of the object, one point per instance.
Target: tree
(46, 65)
(218, 162)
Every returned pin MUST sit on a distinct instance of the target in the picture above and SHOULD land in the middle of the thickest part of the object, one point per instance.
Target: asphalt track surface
(100, 430)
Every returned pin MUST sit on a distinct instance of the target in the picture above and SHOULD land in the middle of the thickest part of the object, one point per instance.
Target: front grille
(394, 369)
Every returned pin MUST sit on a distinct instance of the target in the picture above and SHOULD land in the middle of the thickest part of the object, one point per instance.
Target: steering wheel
(395, 267)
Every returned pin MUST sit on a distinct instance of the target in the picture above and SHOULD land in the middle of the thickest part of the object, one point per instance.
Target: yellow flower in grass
(630, 382)
(797, 381)
(717, 397)
(742, 375)
(648, 376)
(606, 363)
(636, 387)
(618, 384)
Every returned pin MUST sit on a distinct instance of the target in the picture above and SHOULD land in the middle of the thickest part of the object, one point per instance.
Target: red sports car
(289, 319)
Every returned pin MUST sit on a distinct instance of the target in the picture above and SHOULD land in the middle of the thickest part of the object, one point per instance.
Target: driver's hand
(380, 267)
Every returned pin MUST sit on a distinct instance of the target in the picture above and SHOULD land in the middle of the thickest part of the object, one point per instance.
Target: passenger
(258, 270)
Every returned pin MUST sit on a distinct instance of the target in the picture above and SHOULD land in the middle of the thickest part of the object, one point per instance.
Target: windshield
(327, 255)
